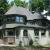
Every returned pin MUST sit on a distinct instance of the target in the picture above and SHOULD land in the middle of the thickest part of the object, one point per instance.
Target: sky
(13, 0)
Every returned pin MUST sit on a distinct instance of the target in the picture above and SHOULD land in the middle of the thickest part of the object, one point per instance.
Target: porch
(13, 37)
(16, 37)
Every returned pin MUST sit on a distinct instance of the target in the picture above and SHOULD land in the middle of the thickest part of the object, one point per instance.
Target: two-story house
(21, 26)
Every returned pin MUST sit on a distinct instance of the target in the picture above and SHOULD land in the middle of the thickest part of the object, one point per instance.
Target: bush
(20, 43)
(31, 42)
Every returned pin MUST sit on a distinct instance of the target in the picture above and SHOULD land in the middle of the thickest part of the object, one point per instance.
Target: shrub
(20, 43)
(31, 42)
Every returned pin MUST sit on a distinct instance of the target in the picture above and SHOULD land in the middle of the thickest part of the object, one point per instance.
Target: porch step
(1, 41)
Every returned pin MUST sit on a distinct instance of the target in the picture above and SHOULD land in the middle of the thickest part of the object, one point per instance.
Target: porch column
(21, 36)
(15, 36)
(31, 34)
(5, 32)
(40, 34)
(47, 34)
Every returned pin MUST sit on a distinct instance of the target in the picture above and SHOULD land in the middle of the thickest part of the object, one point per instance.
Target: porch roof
(21, 25)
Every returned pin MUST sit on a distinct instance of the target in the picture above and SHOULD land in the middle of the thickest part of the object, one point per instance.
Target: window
(43, 32)
(19, 19)
(38, 22)
(25, 33)
(11, 19)
(36, 31)
(10, 33)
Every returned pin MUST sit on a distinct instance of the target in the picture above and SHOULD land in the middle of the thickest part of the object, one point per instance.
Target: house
(20, 26)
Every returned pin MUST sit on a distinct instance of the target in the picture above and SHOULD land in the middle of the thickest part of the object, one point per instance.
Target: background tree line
(33, 4)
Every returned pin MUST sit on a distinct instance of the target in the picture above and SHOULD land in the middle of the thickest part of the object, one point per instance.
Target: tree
(4, 4)
(20, 3)
(3, 8)
(12, 3)
(37, 4)
(41, 4)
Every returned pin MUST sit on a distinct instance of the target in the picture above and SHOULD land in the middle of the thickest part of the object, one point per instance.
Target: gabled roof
(19, 11)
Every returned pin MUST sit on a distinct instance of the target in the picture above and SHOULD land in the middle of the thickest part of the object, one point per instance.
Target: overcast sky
(13, 0)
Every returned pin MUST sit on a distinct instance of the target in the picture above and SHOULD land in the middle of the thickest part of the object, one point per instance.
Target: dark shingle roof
(38, 15)
(23, 11)
(21, 25)
(19, 11)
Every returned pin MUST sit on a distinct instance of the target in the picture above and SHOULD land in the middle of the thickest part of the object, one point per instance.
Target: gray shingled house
(21, 26)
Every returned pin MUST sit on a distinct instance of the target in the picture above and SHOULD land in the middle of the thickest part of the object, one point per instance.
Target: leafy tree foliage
(41, 4)
(3, 5)
(3, 8)
(19, 3)
(37, 4)
(12, 3)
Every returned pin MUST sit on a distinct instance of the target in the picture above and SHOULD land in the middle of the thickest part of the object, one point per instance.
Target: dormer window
(19, 19)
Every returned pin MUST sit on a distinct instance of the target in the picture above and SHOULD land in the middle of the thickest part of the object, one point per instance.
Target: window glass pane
(17, 19)
(21, 19)
(11, 19)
